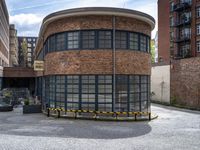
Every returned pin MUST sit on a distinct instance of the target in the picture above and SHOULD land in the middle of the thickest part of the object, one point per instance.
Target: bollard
(135, 117)
(58, 113)
(149, 116)
(48, 112)
(116, 116)
(75, 114)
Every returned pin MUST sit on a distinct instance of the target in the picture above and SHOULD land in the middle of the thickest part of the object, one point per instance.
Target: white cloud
(115, 3)
(25, 19)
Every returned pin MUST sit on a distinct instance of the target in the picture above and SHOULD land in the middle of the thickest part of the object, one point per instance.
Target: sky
(27, 15)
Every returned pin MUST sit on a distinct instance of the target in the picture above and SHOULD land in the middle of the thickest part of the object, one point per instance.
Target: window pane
(143, 43)
(121, 40)
(73, 40)
(88, 39)
(105, 39)
(60, 41)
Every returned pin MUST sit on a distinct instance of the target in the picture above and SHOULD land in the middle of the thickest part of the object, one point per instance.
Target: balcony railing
(183, 54)
(182, 6)
(183, 22)
(183, 38)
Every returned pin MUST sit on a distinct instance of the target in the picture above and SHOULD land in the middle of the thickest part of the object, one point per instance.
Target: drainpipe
(114, 63)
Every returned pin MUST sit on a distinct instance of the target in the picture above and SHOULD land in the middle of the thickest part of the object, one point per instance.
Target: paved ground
(174, 129)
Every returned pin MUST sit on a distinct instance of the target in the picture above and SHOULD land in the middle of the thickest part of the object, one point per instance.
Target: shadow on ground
(15, 123)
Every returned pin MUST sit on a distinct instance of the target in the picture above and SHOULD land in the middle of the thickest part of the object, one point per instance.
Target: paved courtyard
(175, 129)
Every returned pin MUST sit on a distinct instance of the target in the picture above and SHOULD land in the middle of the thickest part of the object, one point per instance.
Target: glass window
(105, 93)
(198, 46)
(52, 43)
(46, 47)
(143, 43)
(73, 92)
(73, 40)
(198, 29)
(148, 44)
(144, 92)
(133, 42)
(105, 39)
(29, 45)
(171, 6)
(60, 41)
(40, 56)
(88, 39)
(185, 32)
(185, 50)
(121, 40)
(121, 93)
(60, 91)
(52, 91)
(198, 12)
(88, 93)
(171, 21)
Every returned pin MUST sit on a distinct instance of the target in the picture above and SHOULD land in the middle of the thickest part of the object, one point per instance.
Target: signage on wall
(38, 65)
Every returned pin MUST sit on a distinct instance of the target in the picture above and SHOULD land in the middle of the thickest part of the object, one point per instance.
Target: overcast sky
(27, 15)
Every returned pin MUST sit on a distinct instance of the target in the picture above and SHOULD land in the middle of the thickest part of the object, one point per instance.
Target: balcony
(183, 54)
(182, 6)
(183, 22)
(183, 38)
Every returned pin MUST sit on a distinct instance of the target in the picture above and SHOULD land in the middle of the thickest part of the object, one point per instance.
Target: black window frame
(73, 40)
(123, 43)
(104, 40)
(88, 38)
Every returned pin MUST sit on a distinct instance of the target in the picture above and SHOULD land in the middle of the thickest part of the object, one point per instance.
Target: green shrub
(26, 102)
(8, 94)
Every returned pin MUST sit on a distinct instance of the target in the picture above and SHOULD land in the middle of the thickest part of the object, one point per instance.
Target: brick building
(178, 51)
(178, 29)
(95, 59)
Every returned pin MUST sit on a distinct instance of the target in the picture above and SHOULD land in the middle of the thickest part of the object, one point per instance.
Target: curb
(100, 118)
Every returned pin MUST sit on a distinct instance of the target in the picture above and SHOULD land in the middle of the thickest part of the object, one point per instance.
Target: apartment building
(26, 50)
(4, 37)
(4, 34)
(13, 46)
(178, 29)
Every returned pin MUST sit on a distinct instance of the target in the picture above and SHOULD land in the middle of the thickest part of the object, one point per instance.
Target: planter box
(6, 108)
(28, 109)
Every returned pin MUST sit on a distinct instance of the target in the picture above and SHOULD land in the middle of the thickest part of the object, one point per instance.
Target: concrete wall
(160, 83)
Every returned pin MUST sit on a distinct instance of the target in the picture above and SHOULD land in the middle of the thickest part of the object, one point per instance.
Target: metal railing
(57, 112)
(181, 6)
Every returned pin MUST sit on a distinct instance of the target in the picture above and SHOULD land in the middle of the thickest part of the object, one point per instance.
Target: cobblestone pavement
(174, 129)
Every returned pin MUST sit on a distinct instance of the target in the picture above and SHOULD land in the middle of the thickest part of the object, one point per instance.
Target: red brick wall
(97, 62)
(163, 31)
(185, 82)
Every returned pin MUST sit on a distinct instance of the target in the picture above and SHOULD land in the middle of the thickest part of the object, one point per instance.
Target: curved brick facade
(86, 51)
(97, 62)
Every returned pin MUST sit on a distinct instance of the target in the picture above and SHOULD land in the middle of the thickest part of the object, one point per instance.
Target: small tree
(153, 51)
